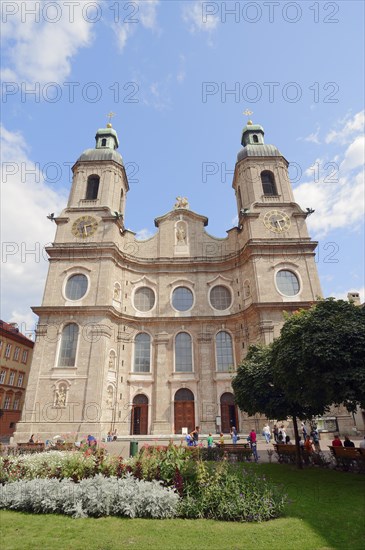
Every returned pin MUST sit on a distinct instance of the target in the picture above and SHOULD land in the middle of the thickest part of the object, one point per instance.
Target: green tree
(318, 360)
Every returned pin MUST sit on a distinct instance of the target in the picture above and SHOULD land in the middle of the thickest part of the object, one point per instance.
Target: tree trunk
(297, 446)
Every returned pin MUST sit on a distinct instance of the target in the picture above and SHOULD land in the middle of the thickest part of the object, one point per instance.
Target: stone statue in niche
(180, 234)
(109, 398)
(116, 294)
(111, 360)
(60, 395)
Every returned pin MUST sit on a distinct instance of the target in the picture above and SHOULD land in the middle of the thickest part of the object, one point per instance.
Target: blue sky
(179, 75)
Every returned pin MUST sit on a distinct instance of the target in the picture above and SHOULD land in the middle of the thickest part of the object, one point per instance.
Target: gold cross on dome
(110, 116)
(247, 112)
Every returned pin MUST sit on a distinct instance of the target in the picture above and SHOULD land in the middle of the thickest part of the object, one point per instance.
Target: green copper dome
(254, 144)
(105, 148)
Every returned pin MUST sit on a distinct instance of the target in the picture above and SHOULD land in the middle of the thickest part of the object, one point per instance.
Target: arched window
(68, 346)
(255, 138)
(142, 352)
(268, 183)
(103, 142)
(183, 353)
(224, 351)
(92, 188)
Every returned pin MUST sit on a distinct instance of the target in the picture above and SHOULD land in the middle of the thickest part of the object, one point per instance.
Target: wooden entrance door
(229, 415)
(184, 415)
(139, 418)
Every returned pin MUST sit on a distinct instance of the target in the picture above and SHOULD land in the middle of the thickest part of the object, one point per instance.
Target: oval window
(287, 282)
(220, 297)
(182, 298)
(144, 298)
(76, 287)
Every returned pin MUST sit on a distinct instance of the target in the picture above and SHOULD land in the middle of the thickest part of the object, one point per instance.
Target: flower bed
(202, 489)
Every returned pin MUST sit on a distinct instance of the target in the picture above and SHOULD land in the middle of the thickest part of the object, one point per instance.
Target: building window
(25, 356)
(92, 188)
(144, 299)
(287, 283)
(68, 347)
(255, 138)
(103, 142)
(16, 404)
(11, 378)
(268, 183)
(7, 402)
(183, 353)
(142, 353)
(2, 376)
(220, 297)
(224, 351)
(76, 287)
(7, 351)
(20, 380)
(182, 298)
(16, 353)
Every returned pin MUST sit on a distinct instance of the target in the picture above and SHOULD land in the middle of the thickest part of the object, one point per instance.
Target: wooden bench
(287, 454)
(349, 458)
(30, 447)
(238, 452)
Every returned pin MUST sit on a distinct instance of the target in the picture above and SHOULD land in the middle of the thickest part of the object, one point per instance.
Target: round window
(144, 299)
(220, 297)
(182, 298)
(76, 287)
(287, 283)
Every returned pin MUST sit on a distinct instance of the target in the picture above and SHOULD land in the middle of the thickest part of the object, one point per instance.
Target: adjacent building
(143, 337)
(16, 356)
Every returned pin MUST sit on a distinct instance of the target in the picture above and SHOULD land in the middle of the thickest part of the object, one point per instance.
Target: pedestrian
(266, 433)
(315, 438)
(210, 441)
(221, 439)
(253, 444)
(234, 435)
(282, 434)
(308, 445)
(276, 433)
(195, 436)
(91, 440)
(304, 430)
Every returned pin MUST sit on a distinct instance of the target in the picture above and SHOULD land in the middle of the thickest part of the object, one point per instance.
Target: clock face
(84, 227)
(277, 221)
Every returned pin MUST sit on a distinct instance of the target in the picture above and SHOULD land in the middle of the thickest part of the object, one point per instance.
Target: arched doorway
(229, 414)
(184, 415)
(139, 418)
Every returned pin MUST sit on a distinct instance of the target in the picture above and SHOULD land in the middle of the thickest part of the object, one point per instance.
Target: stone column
(161, 405)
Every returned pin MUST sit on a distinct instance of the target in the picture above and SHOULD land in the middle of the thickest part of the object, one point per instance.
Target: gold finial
(248, 113)
(110, 116)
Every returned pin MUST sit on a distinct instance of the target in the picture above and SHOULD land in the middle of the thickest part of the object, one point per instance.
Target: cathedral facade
(143, 337)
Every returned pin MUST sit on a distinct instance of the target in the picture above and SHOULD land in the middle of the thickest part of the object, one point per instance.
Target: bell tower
(99, 177)
(261, 173)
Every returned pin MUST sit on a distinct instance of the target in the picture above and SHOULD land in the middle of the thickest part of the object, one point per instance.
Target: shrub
(223, 495)
(97, 496)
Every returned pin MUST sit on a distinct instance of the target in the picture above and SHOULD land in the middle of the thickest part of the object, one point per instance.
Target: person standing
(276, 433)
(253, 444)
(195, 436)
(210, 441)
(234, 435)
(282, 434)
(304, 430)
(315, 438)
(266, 433)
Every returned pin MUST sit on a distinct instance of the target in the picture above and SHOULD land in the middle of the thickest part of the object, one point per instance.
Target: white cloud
(198, 15)
(144, 13)
(144, 234)
(337, 195)
(39, 50)
(313, 137)
(344, 133)
(25, 230)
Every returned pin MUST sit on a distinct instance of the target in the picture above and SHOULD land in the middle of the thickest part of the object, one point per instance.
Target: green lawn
(327, 511)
